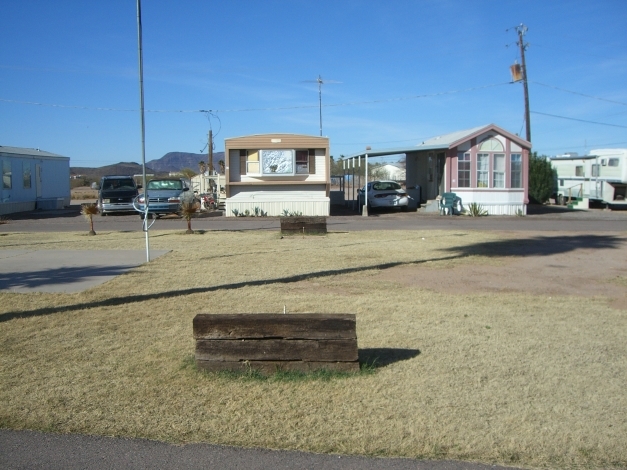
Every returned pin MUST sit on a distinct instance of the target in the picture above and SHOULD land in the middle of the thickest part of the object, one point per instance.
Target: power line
(580, 94)
(278, 108)
(579, 120)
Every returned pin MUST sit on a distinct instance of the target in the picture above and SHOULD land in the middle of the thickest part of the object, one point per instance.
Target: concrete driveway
(66, 271)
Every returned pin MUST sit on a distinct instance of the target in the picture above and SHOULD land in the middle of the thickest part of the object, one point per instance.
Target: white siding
(274, 201)
(495, 202)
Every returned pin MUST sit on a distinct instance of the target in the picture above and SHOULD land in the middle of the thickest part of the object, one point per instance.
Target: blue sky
(407, 71)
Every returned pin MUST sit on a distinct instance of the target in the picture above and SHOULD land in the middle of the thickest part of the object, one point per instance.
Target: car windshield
(385, 186)
(166, 184)
(118, 184)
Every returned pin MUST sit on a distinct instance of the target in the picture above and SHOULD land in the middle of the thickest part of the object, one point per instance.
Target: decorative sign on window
(277, 162)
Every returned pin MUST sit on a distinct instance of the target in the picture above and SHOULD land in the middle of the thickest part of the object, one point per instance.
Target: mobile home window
(498, 174)
(26, 175)
(612, 162)
(305, 162)
(516, 170)
(579, 170)
(6, 174)
(243, 155)
(483, 166)
(595, 170)
(463, 170)
(252, 163)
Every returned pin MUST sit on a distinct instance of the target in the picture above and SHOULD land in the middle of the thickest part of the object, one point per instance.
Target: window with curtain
(498, 172)
(483, 167)
(6, 174)
(516, 170)
(26, 175)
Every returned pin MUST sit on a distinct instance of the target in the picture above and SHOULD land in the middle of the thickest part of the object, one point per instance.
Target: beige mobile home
(277, 174)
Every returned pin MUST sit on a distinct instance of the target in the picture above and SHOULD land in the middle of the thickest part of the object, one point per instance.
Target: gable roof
(28, 152)
(446, 141)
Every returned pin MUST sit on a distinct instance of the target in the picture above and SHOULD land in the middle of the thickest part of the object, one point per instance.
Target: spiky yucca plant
(88, 211)
(188, 209)
(476, 210)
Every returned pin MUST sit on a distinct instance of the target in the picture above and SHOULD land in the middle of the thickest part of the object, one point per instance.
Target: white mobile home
(33, 179)
(277, 173)
(600, 176)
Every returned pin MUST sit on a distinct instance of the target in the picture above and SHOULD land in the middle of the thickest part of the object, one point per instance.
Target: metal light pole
(143, 128)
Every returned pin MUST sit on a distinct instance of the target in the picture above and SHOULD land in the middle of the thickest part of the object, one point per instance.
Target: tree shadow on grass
(534, 246)
(114, 301)
(539, 246)
(382, 357)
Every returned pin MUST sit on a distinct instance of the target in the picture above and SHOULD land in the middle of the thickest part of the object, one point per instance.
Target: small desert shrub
(188, 209)
(287, 213)
(88, 211)
(257, 212)
(476, 210)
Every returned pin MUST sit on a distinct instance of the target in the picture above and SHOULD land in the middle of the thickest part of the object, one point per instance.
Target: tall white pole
(143, 127)
(364, 212)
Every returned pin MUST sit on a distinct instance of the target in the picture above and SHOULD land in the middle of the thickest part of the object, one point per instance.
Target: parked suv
(164, 196)
(116, 194)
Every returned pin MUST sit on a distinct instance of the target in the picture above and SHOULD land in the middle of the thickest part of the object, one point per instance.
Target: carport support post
(364, 212)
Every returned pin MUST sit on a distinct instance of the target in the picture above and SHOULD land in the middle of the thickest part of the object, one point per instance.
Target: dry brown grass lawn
(510, 376)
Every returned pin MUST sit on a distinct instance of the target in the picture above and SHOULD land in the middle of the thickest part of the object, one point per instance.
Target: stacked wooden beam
(303, 225)
(271, 342)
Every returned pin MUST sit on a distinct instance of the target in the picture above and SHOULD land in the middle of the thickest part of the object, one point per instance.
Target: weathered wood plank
(290, 326)
(306, 225)
(270, 367)
(277, 350)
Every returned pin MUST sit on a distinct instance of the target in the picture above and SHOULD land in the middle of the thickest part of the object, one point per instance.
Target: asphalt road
(540, 219)
(33, 450)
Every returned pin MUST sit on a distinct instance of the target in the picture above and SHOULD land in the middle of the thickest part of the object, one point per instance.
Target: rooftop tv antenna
(320, 82)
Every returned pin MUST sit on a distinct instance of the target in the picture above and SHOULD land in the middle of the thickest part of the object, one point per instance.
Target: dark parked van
(116, 194)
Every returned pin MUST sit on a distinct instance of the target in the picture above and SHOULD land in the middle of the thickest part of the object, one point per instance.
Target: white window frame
(483, 174)
(498, 176)
(515, 171)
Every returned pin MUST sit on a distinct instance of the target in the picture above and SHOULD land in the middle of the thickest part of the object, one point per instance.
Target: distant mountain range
(176, 161)
(170, 162)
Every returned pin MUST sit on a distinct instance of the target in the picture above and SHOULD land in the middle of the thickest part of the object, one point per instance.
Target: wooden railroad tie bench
(271, 342)
(303, 225)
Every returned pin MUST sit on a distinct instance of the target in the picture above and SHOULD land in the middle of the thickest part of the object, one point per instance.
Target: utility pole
(320, 82)
(522, 30)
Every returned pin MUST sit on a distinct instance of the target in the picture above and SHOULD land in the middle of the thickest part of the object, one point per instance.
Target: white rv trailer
(600, 176)
(211, 184)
